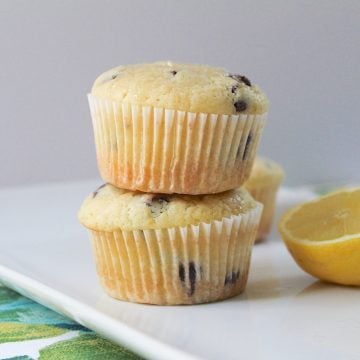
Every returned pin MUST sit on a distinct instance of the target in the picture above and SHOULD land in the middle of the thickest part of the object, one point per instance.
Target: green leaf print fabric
(30, 331)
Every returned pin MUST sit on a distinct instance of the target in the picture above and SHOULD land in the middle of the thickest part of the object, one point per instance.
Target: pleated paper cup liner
(179, 265)
(168, 151)
(266, 195)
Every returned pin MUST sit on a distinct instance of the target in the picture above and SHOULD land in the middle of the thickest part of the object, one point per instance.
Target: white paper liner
(168, 151)
(180, 265)
(265, 195)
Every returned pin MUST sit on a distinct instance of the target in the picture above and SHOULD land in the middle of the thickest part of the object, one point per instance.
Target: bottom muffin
(171, 249)
(264, 181)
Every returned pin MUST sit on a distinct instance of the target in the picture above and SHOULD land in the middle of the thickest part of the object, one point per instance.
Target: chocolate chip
(234, 88)
(245, 80)
(240, 78)
(238, 151)
(160, 199)
(114, 77)
(240, 105)
(182, 272)
(97, 190)
(157, 204)
(174, 72)
(247, 146)
(231, 279)
(192, 277)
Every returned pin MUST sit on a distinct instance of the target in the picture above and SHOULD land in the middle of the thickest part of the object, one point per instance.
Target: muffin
(176, 128)
(171, 249)
(265, 179)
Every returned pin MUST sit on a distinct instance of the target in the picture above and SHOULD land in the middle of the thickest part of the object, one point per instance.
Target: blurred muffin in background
(264, 181)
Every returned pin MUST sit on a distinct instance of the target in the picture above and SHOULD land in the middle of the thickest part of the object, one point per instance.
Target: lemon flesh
(323, 236)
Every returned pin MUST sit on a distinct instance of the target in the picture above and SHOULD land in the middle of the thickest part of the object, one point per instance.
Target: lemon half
(323, 236)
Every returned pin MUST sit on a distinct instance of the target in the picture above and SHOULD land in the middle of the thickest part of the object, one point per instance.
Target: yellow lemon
(323, 236)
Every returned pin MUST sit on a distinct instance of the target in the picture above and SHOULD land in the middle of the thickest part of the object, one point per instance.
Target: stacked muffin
(174, 143)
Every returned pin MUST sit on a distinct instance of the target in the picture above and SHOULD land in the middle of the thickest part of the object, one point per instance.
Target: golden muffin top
(264, 172)
(185, 87)
(109, 208)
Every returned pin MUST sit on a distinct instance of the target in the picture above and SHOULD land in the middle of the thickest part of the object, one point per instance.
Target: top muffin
(187, 87)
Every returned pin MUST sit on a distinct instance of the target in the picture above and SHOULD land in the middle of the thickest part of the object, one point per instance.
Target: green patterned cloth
(29, 331)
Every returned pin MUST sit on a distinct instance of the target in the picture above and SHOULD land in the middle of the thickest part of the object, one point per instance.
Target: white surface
(305, 55)
(283, 314)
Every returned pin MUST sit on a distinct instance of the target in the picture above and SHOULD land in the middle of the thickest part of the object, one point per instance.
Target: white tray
(283, 314)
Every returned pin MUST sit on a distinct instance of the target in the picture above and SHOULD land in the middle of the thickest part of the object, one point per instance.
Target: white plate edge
(113, 330)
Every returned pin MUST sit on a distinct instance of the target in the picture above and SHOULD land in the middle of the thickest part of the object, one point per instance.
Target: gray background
(304, 54)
